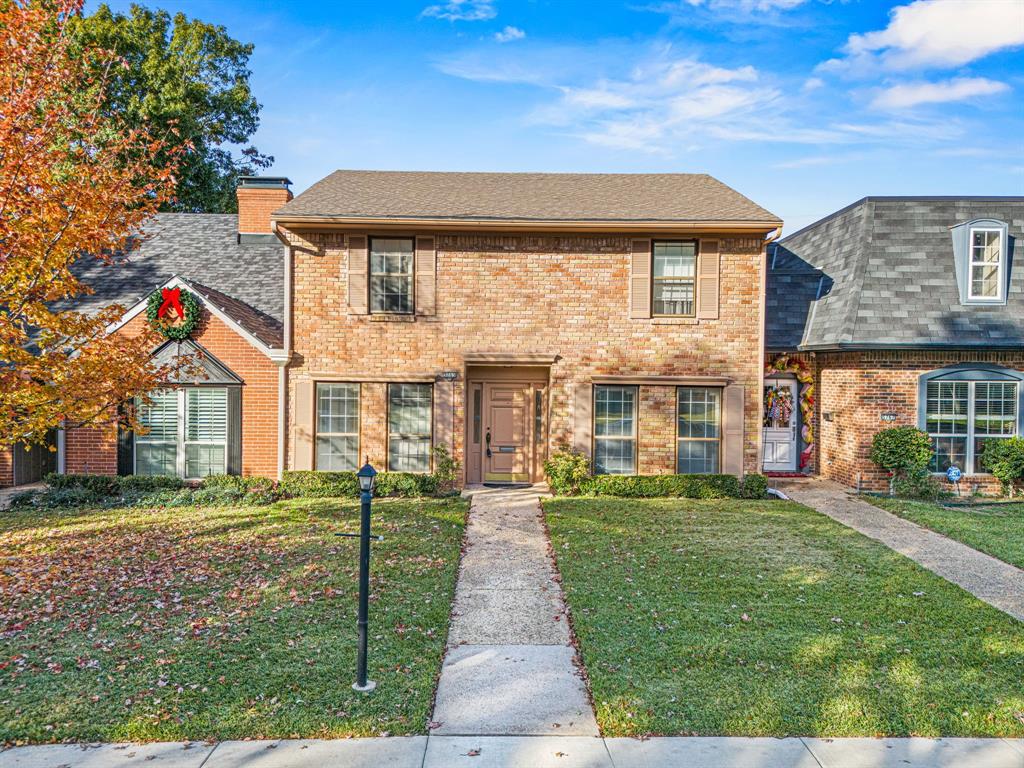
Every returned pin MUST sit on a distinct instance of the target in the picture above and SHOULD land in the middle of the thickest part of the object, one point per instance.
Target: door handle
(487, 438)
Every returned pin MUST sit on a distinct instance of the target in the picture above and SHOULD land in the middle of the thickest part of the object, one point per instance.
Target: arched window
(966, 407)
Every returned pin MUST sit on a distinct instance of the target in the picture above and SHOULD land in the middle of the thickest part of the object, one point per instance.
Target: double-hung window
(674, 277)
(391, 275)
(699, 434)
(186, 433)
(337, 427)
(985, 277)
(615, 430)
(410, 410)
(963, 417)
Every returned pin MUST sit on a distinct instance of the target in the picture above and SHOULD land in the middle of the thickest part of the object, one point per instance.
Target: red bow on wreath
(171, 300)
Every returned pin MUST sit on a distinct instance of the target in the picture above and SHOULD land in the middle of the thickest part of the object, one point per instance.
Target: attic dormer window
(988, 260)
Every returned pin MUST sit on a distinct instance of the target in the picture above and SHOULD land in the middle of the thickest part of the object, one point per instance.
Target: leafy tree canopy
(189, 75)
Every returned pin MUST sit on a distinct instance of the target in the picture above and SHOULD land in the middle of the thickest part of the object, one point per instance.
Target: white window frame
(970, 437)
(632, 438)
(182, 442)
(318, 433)
(1000, 268)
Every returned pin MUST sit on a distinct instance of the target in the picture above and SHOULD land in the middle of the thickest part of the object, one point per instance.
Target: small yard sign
(953, 474)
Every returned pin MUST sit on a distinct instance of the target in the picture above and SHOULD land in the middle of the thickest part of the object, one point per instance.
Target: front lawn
(996, 529)
(769, 619)
(220, 623)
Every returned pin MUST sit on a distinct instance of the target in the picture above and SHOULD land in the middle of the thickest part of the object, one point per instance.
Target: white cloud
(748, 5)
(462, 10)
(813, 83)
(508, 34)
(907, 95)
(934, 33)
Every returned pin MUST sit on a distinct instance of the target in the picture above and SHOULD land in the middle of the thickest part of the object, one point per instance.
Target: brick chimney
(258, 197)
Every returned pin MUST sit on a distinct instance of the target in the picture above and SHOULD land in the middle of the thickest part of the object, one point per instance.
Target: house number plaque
(448, 376)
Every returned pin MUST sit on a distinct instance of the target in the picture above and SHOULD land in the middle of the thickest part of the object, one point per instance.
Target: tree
(75, 183)
(191, 75)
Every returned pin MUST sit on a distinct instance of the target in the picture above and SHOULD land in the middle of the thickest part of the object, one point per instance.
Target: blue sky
(803, 105)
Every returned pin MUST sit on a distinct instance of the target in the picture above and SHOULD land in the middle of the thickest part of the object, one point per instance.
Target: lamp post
(367, 481)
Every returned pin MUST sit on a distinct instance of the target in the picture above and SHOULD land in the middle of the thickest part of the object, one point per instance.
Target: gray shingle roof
(245, 280)
(549, 197)
(881, 273)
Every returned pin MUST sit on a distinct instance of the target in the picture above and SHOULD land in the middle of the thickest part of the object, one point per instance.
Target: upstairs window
(674, 278)
(391, 275)
(986, 265)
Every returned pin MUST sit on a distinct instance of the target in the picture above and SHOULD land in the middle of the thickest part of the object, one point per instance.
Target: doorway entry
(781, 417)
(507, 415)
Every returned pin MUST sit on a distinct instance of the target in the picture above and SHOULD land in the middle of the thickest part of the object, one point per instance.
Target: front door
(780, 425)
(507, 447)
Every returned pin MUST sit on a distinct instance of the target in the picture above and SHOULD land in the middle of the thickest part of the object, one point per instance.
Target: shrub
(446, 471)
(1005, 460)
(654, 486)
(145, 483)
(919, 485)
(754, 486)
(100, 485)
(567, 471)
(901, 451)
(319, 484)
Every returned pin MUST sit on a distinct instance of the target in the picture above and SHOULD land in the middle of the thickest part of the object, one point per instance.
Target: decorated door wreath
(173, 313)
(802, 371)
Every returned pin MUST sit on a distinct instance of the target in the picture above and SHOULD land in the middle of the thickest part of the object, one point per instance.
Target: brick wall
(94, 450)
(6, 466)
(856, 388)
(560, 295)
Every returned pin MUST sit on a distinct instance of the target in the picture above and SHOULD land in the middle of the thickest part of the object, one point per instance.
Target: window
(614, 430)
(986, 267)
(962, 417)
(337, 427)
(391, 265)
(409, 418)
(675, 269)
(187, 433)
(699, 440)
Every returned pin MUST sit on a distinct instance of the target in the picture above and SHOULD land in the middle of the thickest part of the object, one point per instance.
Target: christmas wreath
(173, 313)
(802, 371)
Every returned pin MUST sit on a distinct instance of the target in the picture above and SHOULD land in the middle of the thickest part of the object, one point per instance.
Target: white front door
(780, 425)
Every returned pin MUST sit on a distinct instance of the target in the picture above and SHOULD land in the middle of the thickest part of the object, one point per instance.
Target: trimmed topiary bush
(318, 484)
(754, 486)
(1005, 460)
(901, 451)
(654, 486)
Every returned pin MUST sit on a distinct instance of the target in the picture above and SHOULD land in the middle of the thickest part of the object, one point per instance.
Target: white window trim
(317, 433)
(182, 443)
(1000, 269)
(633, 437)
(970, 437)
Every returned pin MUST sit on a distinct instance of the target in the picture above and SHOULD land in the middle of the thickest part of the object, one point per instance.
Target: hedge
(653, 486)
(320, 484)
(106, 485)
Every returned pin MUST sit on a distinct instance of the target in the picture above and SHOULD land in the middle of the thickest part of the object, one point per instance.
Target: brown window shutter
(640, 279)
(305, 424)
(444, 413)
(426, 276)
(358, 275)
(707, 280)
(582, 420)
(732, 430)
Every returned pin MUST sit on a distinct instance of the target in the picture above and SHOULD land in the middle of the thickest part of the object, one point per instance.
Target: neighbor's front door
(780, 427)
(507, 443)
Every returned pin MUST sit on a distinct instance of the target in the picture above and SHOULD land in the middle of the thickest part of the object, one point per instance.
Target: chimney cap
(245, 182)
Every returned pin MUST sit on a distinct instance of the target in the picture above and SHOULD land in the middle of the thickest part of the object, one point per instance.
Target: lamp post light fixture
(367, 482)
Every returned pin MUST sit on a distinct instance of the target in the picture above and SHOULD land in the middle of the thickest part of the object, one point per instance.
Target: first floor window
(337, 427)
(699, 433)
(963, 417)
(615, 430)
(186, 433)
(410, 413)
(391, 270)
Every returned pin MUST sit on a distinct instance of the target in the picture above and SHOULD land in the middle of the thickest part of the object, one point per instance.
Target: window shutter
(426, 276)
(358, 275)
(234, 462)
(640, 279)
(125, 447)
(707, 280)
(207, 412)
(732, 430)
(444, 412)
(303, 429)
(582, 421)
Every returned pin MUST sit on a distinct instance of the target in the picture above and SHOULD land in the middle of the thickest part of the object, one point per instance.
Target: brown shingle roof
(541, 197)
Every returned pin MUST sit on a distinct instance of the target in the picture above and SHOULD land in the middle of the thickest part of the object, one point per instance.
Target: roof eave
(867, 346)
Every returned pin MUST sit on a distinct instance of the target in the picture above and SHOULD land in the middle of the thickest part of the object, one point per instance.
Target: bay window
(615, 430)
(410, 414)
(337, 427)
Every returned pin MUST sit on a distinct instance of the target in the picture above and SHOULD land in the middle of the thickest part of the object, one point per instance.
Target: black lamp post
(367, 481)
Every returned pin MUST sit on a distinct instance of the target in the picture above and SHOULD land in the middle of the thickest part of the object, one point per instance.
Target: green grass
(996, 529)
(220, 623)
(769, 619)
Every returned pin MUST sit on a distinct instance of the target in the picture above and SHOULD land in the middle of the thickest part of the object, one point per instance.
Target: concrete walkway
(997, 583)
(533, 752)
(510, 669)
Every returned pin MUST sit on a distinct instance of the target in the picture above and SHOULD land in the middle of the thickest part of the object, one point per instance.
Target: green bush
(446, 471)
(567, 471)
(1005, 460)
(901, 451)
(147, 483)
(919, 485)
(754, 486)
(100, 485)
(319, 484)
(153, 491)
(654, 486)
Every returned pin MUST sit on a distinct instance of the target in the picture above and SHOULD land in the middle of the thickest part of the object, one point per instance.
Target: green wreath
(175, 331)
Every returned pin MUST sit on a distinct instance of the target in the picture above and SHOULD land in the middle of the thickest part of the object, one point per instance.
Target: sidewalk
(534, 752)
(997, 583)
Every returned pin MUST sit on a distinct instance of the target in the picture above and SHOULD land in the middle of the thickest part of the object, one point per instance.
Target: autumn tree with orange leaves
(74, 184)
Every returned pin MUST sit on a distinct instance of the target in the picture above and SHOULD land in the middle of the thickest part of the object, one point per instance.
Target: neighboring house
(903, 311)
